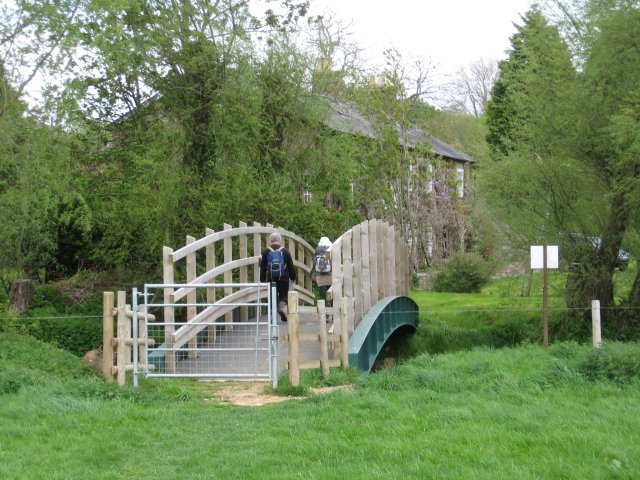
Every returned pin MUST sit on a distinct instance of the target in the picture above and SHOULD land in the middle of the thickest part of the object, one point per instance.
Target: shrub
(52, 318)
(462, 273)
(614, 362)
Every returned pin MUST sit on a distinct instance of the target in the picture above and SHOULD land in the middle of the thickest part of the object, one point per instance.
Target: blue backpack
(277, 267)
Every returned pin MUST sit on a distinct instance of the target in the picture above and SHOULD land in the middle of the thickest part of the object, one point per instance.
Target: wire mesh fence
(223, 331)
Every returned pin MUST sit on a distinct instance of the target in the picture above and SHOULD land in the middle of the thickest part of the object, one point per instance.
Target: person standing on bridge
(276, 266)
(321, 269)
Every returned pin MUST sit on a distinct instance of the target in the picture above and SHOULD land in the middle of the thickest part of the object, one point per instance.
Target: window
(460, 179)
(306, 196)
(430, 179)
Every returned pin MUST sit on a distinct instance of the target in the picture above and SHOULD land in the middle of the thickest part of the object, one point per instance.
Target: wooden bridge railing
(370, 262)
(239, 265)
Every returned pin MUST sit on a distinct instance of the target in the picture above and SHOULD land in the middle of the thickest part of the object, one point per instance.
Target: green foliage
(52, 318)
(613, 362)
(38, 359)
(73, 334)
(462, 272)
(499, 317)
(531, 100)
(46, 223)
(568, 142)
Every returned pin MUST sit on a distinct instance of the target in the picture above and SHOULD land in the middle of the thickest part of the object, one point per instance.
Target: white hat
(276, 238)
(324, 242)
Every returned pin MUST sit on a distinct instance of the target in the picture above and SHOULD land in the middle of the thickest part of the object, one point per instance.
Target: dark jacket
(264, 267)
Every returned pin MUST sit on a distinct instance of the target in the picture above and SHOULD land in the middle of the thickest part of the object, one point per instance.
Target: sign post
(545, 257)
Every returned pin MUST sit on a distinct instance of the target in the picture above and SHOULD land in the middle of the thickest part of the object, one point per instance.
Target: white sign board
(537, 256)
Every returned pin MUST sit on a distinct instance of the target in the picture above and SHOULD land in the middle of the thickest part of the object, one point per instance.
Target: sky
(446, 33)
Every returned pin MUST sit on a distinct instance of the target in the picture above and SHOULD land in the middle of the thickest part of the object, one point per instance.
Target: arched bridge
(370, 282)
(387, 317)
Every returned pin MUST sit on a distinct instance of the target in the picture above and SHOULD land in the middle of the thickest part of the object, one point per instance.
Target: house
(438, 224)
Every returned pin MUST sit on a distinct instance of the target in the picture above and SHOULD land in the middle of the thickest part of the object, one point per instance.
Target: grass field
(510, 413)
(571, 412)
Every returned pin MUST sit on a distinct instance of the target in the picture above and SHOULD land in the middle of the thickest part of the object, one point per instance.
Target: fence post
(294, 337)
(210, 262)
(122, 337)
(344, 336)
(228, 275)
(595, 323)
(191, 296)
(324, 350)
(244, 272)
(169, 312)
(107, 334)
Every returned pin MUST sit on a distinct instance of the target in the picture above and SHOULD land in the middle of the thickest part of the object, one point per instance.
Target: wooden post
(228, 276)
(347, 283)
(107, 335)
(191, 296)
(336, 281)
(385, 274)
(344, 337)
(20, 294)
(373, 260)
(210, 263)
(144, 343)
(380, 254)
(257, 252)
(545, 300)
(303, 278)
(128, 333)
(595, 323)
(399, 263)
(169, 312)
(324, 349)
(294, 336)
(244, 274)
(291, 246)
(357, 275)
(122, 337)
(366, 272)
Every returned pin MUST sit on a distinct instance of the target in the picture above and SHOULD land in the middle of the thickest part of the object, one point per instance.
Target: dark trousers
(282, 289)
(323, 291)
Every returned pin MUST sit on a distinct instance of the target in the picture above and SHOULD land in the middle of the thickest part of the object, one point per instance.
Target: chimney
(323, 64)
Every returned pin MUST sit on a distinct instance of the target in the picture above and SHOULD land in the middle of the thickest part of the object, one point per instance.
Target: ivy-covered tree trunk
(593, 280)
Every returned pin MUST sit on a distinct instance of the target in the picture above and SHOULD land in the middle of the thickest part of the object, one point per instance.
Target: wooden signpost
(544, 257)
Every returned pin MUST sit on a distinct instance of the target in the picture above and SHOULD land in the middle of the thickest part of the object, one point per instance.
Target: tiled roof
(344, 117)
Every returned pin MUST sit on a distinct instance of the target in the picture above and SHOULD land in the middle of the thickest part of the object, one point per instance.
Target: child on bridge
(321, 269)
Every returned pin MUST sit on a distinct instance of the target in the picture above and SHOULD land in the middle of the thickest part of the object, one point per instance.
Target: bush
(614, 362)
(52, 318)
(462, 273)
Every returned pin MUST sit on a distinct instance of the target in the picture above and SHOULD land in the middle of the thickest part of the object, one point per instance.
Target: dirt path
(252, 394)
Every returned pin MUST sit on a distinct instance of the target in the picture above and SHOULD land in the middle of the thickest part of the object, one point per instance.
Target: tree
(471, 88)
(530, 132)
(45, 220)
(610, 141)
(531, 101)
(568, 168)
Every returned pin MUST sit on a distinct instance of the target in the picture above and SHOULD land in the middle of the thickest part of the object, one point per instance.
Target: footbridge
(213, 318)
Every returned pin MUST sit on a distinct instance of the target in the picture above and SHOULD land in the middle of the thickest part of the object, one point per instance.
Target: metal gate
(216, 331)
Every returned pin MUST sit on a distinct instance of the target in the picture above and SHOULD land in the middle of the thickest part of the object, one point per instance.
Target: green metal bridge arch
(385, 318)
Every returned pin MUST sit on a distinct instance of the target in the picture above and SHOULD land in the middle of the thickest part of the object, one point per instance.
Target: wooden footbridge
(212, 318)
